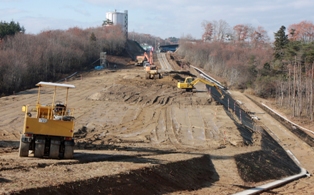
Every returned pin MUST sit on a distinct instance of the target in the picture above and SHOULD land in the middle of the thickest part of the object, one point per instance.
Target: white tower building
(119, 18)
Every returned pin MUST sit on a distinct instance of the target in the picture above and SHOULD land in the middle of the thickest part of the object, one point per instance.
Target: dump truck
(140, 60)
(152, 71)
(48, 125)
(190, 82)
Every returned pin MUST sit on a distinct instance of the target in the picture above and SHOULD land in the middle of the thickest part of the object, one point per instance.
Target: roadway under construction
(139, 136)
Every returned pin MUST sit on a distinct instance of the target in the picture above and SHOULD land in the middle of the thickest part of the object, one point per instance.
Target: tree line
(245, 57)
(51, 55)
(294, 60)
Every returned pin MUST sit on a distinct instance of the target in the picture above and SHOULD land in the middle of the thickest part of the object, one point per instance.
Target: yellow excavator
(190, 82)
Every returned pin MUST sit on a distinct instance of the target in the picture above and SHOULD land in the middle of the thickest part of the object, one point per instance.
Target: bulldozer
(190, 82)
(48, 128)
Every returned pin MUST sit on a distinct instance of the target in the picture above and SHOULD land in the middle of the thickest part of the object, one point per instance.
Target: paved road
(165, 66)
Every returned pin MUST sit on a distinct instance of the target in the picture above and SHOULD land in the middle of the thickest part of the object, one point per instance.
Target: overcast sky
(162, 18)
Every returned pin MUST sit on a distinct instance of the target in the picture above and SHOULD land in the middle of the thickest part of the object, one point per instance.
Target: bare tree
(208, 31)
(221, 29)
(27, 59)
(241, 32)
(259, 36)
(303, 31)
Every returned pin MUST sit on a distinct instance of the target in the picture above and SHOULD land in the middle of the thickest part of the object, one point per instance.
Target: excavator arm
(149, 57)
(190, 82)
(219, 90)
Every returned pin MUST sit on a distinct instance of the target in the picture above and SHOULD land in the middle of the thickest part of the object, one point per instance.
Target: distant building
(119, 18)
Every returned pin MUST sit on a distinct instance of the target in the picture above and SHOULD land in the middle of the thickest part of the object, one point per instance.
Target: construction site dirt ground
(139, 136)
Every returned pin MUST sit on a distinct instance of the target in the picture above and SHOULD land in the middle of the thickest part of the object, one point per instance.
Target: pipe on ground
(274, 184)
(280, 182)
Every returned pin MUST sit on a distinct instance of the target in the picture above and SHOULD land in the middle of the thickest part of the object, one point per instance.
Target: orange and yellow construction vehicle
(151, 69)
(48, 128)
(142, 59)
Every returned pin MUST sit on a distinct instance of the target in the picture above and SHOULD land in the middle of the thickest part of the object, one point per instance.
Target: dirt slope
(138, 136)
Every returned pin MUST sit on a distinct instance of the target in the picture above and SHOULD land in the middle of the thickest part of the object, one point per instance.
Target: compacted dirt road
(139, 136)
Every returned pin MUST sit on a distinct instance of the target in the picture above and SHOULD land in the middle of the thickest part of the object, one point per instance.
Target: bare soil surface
(139, 136)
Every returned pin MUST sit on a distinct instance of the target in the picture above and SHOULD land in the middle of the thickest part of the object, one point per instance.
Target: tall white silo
(119, 18)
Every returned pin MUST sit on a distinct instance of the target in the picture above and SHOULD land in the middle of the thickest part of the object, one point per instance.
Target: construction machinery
(145, 58)
(190, 82)
(140, 60)
(149, 58)
(151, 69)
(48, 128)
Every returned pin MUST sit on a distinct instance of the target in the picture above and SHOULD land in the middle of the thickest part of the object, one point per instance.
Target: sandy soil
(139, 136)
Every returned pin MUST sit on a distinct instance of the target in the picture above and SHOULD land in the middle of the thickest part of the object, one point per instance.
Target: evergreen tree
(281, 40)
(293, 50)
(10, 29)
(107, 22)
(308, 55)
(92, 37)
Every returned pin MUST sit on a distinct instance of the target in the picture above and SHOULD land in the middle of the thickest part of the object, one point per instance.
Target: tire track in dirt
(159, 134)
(172, 128)
(132, 119)
(189, 130)
(213, 133)
(137, 124)
(197, 127)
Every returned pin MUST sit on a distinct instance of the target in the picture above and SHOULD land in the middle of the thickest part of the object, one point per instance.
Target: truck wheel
(54, 149)
(39, 147)
(24, 149)
(68, 149)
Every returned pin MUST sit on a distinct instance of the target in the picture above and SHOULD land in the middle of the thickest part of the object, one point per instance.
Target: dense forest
(50, 55)
(245, 57)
